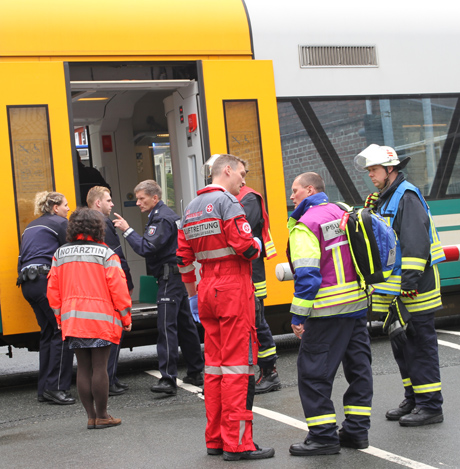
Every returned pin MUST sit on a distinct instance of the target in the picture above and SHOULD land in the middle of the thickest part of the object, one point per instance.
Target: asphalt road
(169, 432)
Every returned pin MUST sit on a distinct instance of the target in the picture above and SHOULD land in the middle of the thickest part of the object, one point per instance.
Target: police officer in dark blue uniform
(174, 322)
(39, 242)
(99, 199)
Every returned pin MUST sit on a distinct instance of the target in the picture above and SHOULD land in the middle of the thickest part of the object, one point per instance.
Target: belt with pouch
(169, 269)
(32, 272)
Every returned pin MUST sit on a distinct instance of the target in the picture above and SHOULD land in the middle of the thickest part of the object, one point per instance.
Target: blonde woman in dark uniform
(39, 242)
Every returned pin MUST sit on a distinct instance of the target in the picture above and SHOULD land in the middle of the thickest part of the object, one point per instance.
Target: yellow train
(152, 89)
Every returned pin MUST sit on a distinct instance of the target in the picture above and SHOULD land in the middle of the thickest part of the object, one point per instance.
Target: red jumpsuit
(215, 232)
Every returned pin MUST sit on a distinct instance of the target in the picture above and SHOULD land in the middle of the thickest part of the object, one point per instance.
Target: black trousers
(267, 349)
(176, 327)
(112, 364)
(418, 363)
(326, 343)
(56, 359)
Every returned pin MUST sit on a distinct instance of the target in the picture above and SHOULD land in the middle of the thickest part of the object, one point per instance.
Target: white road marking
(271, 414)
(395, 458)
(448, 344)
(180, 384)
(448, 332)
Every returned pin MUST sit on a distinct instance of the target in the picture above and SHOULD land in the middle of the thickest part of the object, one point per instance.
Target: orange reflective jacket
(88, 292)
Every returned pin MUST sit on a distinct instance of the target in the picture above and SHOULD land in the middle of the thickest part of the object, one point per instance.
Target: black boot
(268, 381)
(420, 417)
(404, 408)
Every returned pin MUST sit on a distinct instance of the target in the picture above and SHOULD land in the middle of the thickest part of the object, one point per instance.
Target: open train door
(242, 119)
(36, 155)
(182, 111)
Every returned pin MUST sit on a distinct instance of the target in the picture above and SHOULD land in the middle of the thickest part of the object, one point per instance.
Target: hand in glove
(409, 293)
(397, 322)
(259, 242)
(397, 334)
(193, 300)
(371, 201)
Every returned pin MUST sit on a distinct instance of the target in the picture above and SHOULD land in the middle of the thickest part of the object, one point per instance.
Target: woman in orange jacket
(88, 292)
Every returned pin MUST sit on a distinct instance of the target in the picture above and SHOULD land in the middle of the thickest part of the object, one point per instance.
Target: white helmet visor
(376, 155)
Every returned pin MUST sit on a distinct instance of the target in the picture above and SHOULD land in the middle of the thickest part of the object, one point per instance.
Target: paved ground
(169, 432)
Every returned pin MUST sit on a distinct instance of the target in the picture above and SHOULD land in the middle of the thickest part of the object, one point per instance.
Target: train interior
(137, 122)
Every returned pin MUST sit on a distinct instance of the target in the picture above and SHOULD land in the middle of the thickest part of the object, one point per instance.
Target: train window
(31, 158)
(243, 139)
(163, 172)
(325, 135)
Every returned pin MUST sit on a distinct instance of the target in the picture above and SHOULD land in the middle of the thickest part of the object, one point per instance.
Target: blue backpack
(372, 244)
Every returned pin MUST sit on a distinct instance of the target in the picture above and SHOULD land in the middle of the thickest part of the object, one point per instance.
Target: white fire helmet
(206, 169)
(378, 155)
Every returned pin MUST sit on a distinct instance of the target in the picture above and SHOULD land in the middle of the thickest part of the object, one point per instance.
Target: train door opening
(136, 130)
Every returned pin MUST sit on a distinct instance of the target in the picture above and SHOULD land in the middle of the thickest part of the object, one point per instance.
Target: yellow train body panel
(116, 28)
(239, 80)
(29, 85)
(38, 38)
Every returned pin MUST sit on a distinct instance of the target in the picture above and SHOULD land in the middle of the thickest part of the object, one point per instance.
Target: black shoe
(214, 451)
(347, 441)
(420, 417)
(312, 448)
(195, 378)
(58, 397)
(122, 385)
(165, 386)
(404, 408)
(268, 381)
(41, 398)
(259, 453)
(115, 390)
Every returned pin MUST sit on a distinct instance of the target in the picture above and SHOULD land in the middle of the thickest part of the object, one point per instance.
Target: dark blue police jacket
(41, 239)
(113, 242)
(159, 244)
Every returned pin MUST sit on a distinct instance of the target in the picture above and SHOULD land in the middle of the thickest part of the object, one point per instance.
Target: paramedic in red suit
(214, 231)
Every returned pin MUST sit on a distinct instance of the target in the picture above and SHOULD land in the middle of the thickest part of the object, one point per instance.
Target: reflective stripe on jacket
(269, 245)
(417, 261)
(418, 250)
(88, 292)
(325, 278)
(214, 228)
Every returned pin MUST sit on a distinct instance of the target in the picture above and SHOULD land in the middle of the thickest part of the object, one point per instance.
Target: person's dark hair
(87, 222)
(312, 179)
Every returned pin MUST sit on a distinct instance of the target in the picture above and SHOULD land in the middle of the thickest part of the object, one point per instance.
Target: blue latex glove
(193, 300)
(259, 242)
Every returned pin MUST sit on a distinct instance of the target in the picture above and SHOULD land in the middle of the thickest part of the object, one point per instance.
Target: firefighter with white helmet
(378, 155)
(415, 280)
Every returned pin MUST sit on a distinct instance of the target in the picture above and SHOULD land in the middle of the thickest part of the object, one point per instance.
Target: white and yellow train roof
(413, 44)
